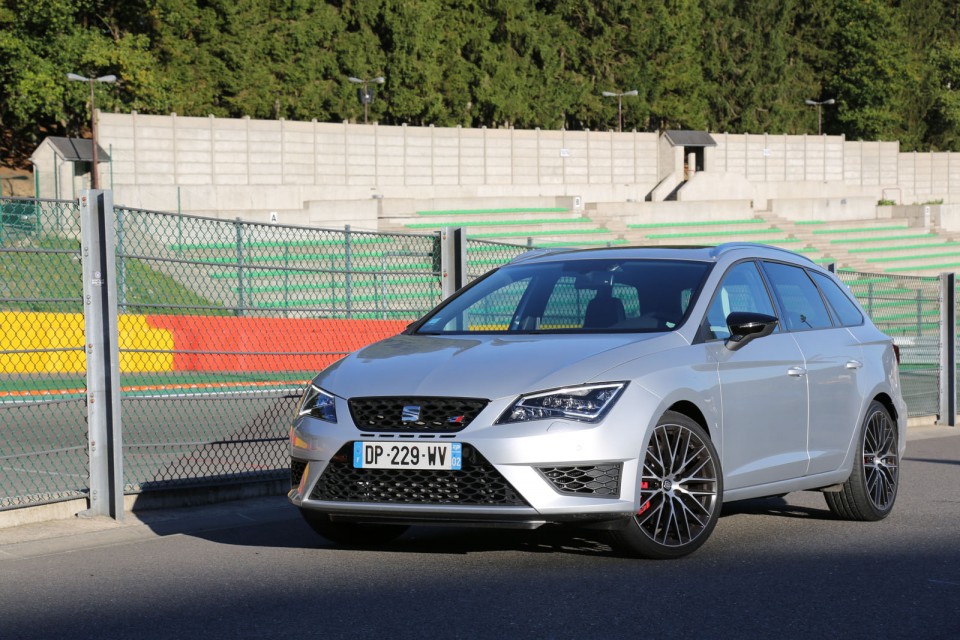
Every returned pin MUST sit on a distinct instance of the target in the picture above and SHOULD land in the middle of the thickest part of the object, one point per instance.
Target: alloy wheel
(678, 488)
(880, 464)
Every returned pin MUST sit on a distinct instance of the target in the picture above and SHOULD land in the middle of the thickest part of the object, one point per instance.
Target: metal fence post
(948, 349)
(453, 260)
(121, 264)
(105, 441)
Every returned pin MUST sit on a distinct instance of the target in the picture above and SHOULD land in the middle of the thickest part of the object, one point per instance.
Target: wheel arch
(693, 412)
(884, 399)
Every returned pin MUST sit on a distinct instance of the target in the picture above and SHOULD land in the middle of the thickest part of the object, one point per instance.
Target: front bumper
(522, 475)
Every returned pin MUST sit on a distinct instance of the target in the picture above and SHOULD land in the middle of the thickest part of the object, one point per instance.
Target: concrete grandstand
(818, 195)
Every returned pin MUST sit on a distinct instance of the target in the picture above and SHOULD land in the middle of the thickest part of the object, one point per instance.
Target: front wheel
(352, 533)
(681, 491)
(869, 492)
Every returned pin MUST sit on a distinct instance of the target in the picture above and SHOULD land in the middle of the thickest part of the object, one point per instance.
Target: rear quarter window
(802, 305)
(844, 308)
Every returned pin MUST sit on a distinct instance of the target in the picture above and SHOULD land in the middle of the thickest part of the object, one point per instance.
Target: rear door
(832, 360)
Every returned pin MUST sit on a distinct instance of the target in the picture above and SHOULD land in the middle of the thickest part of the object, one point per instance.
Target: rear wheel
(352, 533)
(870, 491)
(681, 491)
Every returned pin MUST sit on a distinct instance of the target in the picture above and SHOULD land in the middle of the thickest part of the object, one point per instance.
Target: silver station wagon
(632, 390)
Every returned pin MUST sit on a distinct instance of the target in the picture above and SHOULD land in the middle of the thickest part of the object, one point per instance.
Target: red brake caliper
(646, 505)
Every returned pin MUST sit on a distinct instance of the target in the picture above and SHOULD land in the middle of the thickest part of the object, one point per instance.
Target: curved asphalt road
(773, 569)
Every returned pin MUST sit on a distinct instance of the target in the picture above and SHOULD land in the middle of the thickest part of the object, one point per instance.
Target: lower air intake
(599, 481)
(477, 483)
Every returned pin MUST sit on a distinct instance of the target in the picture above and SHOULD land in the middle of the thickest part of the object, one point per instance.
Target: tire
(352, 533)
(870, 491)
(681, 492)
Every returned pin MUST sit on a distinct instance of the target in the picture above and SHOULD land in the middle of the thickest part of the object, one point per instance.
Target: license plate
(407, 455)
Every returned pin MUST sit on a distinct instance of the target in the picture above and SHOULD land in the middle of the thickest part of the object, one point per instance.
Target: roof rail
(730, 246)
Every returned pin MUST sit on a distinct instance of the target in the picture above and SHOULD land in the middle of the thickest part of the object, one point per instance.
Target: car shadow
(932, 460)
(274, 523)
(775, 506)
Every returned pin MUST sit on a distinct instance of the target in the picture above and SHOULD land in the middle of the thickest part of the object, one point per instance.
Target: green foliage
(943, 87)
(893, 66)
(870, 71)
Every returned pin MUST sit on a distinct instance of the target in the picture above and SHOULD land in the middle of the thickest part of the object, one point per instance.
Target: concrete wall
(833, 209)
(320, 172)
(926, 177)
(777, 158)
(250, 167)
(945, 216)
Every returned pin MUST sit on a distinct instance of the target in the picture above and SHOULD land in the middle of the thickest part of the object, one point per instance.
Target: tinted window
(846, 310)
(493, 312)
(742, 289)
(802, 305)
(588, 295)
(567, 306)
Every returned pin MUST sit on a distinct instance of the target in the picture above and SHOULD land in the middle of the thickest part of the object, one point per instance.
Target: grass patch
(45, 275)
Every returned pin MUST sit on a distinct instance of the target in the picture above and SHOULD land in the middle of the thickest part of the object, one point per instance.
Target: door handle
(854, 364)
(796, 372)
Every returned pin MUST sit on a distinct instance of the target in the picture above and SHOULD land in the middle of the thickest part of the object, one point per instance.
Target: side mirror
(746, 326)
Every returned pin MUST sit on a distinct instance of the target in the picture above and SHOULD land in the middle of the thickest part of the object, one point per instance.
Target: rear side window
(802, 304)
(845, 309)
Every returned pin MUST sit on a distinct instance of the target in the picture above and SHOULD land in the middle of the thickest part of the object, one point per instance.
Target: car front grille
(477, 483)
(297, 467)
(414, 414)
(600, 481)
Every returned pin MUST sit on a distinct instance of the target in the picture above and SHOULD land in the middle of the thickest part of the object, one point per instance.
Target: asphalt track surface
(167, 438)
(776, 568)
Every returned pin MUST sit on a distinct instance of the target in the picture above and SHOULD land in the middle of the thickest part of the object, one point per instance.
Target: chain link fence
(907, 308)
(229, 319)
(484, 255)
(43, 440)
(222, 322)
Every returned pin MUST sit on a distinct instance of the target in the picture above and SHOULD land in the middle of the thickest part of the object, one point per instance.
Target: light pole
(366, 95)
(619, 97)
(819, 105)
(94, 173)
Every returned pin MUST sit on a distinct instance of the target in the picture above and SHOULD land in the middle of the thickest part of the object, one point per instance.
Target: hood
(487, 366)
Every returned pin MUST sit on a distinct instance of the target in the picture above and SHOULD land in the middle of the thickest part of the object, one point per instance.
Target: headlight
(317, 403)
(586, 403)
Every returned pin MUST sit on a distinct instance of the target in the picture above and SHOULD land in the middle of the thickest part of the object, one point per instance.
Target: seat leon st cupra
(632, 390)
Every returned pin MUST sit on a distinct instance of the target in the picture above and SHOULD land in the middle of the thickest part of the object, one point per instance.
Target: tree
(870, 72)
(944, 88)
(757, 76)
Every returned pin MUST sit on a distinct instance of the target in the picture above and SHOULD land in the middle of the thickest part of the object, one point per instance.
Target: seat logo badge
(411, 413)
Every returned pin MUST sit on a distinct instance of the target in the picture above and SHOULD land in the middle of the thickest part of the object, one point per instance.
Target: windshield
(574, 296)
